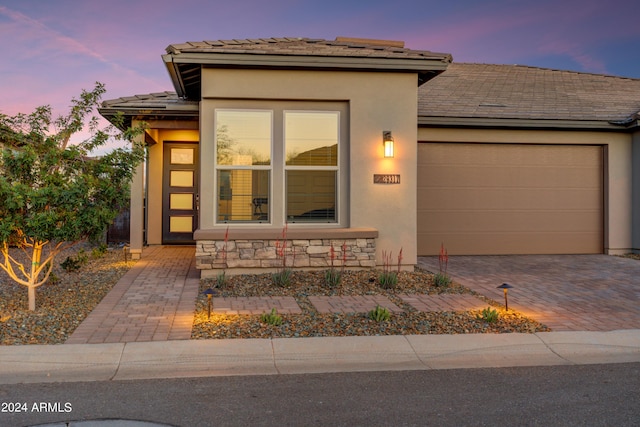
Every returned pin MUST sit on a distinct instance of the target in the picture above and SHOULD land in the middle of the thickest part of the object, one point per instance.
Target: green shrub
(54, 279)
(282, 277)
(272, 318)
(99, 251)
(71, 264)
(82, 257)
(332, 278)
(221, 280)
(489, 315)
(441, 280)
(388, 279)
(379, 314)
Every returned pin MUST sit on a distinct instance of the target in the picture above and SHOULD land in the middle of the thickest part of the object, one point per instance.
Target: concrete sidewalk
(193, 358)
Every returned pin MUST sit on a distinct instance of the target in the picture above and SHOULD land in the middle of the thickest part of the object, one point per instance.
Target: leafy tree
(52, 194)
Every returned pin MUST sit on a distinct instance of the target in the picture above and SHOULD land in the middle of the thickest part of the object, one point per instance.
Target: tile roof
(472, 91)
(298, 46)
(185, 61)
(160, 100)
(160, 105)
(521, 92)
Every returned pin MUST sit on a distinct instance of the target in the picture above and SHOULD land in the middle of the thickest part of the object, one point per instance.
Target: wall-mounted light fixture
(387, 141)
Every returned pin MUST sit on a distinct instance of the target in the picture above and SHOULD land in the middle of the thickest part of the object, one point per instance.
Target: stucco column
(635, 196)
(136, 218)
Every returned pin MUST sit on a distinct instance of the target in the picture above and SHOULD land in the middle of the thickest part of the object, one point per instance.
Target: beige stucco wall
(154, 192)
(617, 168)
(376, 102)
(635, 212)
(136, 218)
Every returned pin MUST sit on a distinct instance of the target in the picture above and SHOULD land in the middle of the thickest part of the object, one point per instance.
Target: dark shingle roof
(482, 91)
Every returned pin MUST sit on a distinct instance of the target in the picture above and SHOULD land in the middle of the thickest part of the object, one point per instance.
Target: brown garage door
(482, 199)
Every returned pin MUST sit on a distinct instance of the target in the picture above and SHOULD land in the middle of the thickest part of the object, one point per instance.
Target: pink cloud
(511, 33)
(49, 67)
(50, 39)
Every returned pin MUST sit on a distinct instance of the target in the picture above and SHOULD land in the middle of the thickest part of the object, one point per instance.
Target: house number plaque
(386, 179)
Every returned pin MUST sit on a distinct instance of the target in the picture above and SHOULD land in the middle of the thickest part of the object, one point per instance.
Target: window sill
(292, 233)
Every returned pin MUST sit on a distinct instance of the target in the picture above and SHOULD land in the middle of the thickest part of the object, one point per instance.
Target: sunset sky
(54, 48)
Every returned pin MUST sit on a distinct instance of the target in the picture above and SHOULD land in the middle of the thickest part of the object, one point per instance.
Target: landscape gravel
(64, 302)
(313, 324)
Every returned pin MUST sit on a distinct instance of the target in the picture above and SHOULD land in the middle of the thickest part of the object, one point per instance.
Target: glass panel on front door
(182, 156)
(181, 179)
(181, 201)
(179, 211)
(181, 224)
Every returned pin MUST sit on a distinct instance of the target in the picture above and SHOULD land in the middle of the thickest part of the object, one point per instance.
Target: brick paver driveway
(565, 292)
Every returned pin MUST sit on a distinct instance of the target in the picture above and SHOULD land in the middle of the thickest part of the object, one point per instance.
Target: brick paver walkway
(565, 292)
(351, 304)
(254, 305)
(154, 301)
(443, 302)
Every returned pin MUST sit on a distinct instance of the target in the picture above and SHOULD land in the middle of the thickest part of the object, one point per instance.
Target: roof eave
(145, 114)
(311, 61)
(477, 122)
(174, 74)
(426, 68)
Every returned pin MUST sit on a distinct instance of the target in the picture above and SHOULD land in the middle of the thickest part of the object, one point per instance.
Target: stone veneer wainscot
(255, 251)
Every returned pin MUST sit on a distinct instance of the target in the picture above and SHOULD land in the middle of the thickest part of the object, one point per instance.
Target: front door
(179, 193)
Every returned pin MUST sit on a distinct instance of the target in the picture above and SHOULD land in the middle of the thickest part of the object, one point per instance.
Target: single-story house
(367, 144)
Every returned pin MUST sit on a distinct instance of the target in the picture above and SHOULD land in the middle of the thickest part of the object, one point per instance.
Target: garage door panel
(512, 222)
(509, 198)
(512, 243)
(508, 177)
(452, 154)
(473, 199)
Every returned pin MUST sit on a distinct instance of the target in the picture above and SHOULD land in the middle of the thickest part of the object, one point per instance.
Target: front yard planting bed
(62, 303)
(313, 324)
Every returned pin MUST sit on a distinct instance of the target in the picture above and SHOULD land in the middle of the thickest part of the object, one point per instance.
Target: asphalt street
(569, 395)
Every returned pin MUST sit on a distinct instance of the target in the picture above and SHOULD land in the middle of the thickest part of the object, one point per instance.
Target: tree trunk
(32, 298)
(36, 256)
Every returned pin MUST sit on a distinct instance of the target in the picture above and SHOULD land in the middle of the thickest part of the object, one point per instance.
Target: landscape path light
(505, 287)
(209, 293)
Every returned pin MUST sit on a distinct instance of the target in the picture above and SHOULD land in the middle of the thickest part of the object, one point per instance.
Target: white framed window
(311, 143)
(280, 165)
(244, 144)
